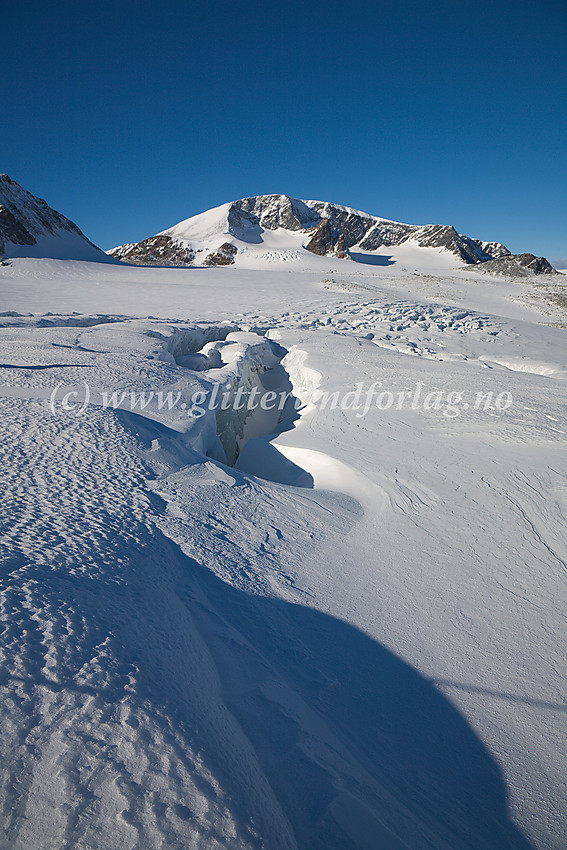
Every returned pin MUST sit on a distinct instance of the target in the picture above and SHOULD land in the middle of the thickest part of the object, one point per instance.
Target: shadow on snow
(407, 764)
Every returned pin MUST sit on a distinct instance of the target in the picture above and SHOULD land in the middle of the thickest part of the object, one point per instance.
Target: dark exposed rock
(155, 251)
(445, 236)
(12, 230)
(493, 249)
(437, 236)
(223, 256)
(352, 225)
(539, 265)
(385, 233)
(372, 233)
(388, 233)
(341, 250)
(518, 265)
(322, 240)
(34, 215)
(274, 211)
(325, 240)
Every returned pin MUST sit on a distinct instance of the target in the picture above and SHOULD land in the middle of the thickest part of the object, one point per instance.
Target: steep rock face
(371, 233)
(325, 240)
(341, 250)
(352, 225)
(274, 211)
(445, 236)
(155, 251)
(385, 234)
(30, 227)
(493, 249)
(12, 230)
(223, 256)
(388, 233)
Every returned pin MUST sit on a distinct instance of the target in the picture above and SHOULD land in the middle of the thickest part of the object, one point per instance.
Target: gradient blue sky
(130, 116)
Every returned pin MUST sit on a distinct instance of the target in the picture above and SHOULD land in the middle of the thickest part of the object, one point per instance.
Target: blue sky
(130, 116)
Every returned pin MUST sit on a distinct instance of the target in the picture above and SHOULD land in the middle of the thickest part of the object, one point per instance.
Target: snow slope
(29, 227)
(353, 637)
(278, 228)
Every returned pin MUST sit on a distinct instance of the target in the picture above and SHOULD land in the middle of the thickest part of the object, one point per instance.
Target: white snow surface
(352, 637)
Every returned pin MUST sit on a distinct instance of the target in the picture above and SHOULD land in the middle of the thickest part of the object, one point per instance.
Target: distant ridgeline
(328, 230)
(29, 227)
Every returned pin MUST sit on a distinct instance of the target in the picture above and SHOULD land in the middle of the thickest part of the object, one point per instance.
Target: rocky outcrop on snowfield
(518, 265)
(329, 230)
(155, 251)
(223, 257)
(29, 227)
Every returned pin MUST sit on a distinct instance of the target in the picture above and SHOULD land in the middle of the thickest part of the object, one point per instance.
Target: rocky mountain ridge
(277, 227)
(329, 230)
(30, 227)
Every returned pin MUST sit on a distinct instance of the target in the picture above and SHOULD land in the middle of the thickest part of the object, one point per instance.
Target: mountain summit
(281, 228)
(29, 227)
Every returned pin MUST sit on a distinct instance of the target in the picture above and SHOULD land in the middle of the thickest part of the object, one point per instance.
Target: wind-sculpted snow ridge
(31, 228)
(289, 228)
(313, 628)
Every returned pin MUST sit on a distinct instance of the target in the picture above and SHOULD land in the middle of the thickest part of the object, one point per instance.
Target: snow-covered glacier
(335, 625)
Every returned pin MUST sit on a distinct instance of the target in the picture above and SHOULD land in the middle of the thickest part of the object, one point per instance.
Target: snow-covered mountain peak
(268, 228)
(29, 227)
